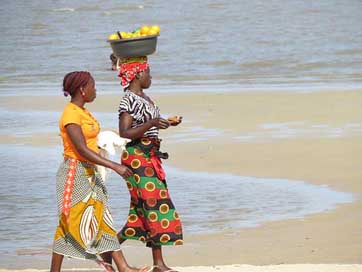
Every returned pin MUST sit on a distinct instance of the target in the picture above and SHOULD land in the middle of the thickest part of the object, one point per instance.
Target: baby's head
(113, 59)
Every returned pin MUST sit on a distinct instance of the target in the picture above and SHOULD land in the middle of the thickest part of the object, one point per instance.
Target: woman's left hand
(122, 170)
(175, 120)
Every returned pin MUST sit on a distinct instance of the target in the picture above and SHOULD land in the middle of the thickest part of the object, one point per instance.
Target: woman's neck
(136, 90)
(80, 103)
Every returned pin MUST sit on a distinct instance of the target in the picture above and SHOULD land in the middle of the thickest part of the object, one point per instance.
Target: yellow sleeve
(71, 115)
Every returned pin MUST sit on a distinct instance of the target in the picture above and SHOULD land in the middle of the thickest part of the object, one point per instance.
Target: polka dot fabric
(152, 216)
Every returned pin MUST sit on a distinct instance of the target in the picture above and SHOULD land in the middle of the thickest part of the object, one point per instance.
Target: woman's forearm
(94, 157)
(135, 133)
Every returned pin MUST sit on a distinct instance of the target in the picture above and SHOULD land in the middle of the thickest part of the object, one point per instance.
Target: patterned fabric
(130, 67)
(152, 216)
(141, 111)
(141, 59)
(68, 189)
(85, 227)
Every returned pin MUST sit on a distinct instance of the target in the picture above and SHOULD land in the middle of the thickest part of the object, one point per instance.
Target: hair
(73, 81)
(113, 58)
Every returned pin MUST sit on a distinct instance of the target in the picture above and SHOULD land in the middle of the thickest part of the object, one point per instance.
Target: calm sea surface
(238, 43)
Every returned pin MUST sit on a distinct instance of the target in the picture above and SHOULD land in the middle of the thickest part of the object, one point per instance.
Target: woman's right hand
(160, 123)
(122, 170)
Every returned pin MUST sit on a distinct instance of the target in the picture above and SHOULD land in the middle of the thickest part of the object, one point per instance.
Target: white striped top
(141, 111)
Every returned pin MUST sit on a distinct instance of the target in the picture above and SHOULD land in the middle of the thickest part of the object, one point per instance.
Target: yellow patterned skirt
(85, 227)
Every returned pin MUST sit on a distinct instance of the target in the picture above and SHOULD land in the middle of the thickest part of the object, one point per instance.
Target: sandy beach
(325, 148)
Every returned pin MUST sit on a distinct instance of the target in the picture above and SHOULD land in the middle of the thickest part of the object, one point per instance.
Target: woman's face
(90, 91)
(145, 79)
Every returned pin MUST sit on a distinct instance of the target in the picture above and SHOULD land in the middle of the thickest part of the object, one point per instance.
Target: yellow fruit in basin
(156, 28)
(145, 29)
(152, 32)
(113, 36)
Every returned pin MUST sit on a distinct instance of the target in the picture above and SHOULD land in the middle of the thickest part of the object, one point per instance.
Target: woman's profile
(152, 217)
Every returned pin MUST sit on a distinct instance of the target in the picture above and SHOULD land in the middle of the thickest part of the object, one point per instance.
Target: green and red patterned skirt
(152, 216)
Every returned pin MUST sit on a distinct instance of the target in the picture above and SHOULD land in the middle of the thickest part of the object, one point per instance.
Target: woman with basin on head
(85, 229)
(152, 217)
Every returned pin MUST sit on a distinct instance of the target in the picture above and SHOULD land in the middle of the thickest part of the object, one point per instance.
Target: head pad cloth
(129, 67)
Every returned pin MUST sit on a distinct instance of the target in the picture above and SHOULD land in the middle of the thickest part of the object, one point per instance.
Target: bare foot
(145, 269)
(163, 269)
(106, 266)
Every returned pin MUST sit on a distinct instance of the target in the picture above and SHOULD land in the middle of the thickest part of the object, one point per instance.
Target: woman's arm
(125, 130)
(76, 136)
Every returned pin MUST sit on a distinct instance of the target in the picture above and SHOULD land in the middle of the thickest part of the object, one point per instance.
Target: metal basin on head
(134, 47)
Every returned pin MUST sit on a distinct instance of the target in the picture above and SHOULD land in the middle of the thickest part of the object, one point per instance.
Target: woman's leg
(122, 264)
(158, 259)
(107, 256)
(120, 261)
(57, 260)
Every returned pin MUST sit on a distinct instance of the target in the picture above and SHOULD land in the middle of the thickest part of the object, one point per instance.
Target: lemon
(123, 34)
(152, 32)
(156, 28)
(145, 29)
(113, 36)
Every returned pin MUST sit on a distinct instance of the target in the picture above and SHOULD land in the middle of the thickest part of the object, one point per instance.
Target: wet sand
(333, 237)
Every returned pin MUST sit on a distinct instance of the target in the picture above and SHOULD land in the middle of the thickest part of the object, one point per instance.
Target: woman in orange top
(85, 227)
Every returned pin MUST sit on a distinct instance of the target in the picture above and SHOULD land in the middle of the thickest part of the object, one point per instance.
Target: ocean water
(204, 45)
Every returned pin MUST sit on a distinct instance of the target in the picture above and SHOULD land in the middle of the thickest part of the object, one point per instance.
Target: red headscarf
(130, 67)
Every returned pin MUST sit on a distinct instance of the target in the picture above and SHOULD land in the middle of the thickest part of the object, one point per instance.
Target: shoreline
(331, 237)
